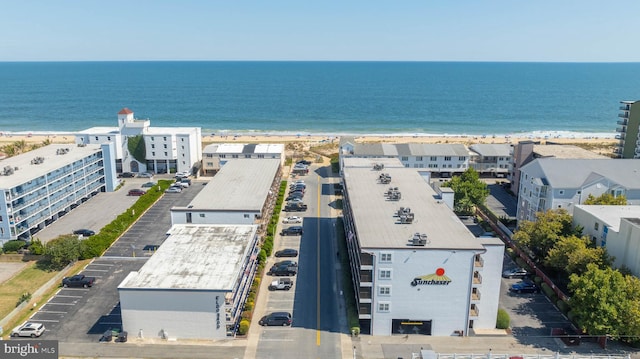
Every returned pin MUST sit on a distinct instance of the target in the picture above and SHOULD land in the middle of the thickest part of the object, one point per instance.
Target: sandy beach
(599, 141)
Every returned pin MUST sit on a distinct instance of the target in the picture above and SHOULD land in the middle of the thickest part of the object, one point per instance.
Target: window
(247, 156)
(182, 147)
(96, 138)
(405, 158)
(201, 215)
(210, 164)
(419, 158)
(447, 158)
(260, 156)
(561, 191)
(385, 274)
(108, 138)
(164, 138)
(461, 158)
(223, 156)
(433, 165)
(153, 153)
(383, 307)
(385, 257)
(165, 145)
(234, 156)
(433, 158)
(596, 226)
(246, 216)
(151, 138)
(384, 290)
(182, 139)
(166, 154)
(153, 146)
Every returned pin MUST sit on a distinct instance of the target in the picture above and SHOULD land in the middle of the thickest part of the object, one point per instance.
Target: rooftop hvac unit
(384, 178)
(62, 151)
(419, 239)
(403, 211)
(378, 167)
(38, 160)
(407, 218)
(8, 170)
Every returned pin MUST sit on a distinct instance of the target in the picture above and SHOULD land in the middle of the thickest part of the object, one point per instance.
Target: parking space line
(61, 303)
(51, 311)
(275, 340)
(48, 320)
(76, 289)
(110, 323)
(97, 270)
(69, 296)
(102, 264)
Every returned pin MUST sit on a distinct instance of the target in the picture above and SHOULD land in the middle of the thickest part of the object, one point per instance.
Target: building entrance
(410, 326)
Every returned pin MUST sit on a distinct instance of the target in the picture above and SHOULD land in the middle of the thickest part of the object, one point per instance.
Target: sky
(347, 30)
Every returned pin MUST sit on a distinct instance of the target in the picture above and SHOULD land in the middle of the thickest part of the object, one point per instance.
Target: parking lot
(82, 315)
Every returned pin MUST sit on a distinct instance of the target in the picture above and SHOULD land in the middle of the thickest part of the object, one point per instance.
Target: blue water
(319, 97)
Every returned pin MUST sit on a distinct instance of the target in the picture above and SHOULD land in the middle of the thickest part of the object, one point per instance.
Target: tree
(62, 250)
(468, 191)
(540, 236)
(606, 199)
(605, 302)
(572, 254)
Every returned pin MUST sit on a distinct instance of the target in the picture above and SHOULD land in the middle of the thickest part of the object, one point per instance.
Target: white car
(173, 190)
(29, 329)
(181, 184)
(292, 219)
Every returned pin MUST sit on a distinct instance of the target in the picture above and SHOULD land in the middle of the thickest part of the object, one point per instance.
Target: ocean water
(320, 97)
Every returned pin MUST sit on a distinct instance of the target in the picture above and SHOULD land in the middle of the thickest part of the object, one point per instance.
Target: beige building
(214, 156)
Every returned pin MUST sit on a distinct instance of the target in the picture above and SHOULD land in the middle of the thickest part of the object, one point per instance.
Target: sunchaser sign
(437, 278)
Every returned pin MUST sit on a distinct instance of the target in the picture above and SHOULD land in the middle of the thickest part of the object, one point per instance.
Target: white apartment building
(214, 156)
(41, 185)
(142, 148)
(617, 228)
(194, 286)
(442, 160)
(553, 183)
(416, 268)
(492, 159)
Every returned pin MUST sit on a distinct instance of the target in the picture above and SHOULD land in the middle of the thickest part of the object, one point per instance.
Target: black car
(284, 270)
(292, 231)
(276, 318)
(287, 252)
(304, 162)
(84, 232)
(286, 263)
(525, 286)
(294, 197)
(126, 175)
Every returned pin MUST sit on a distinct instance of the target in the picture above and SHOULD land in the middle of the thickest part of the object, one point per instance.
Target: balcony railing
(475, 294)
(478, 261)
(477, 278)
(364, 308)
(621, 129)
(625, 108)
(623, 114)
(365, 292)
(474, 311)
(620, 136)
(622, 122)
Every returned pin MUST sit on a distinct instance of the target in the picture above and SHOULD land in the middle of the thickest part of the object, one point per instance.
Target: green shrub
(13, 246)
(523, 264)
(572, 316)
(563, 306)
(548, 291)
(503, 320)
(25, 297)
(243, 328)
(36, 247)
(248, 305)
(537, 280)
(355, 331)
(262, 256)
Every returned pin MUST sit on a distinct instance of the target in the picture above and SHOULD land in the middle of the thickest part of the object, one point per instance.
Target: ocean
(321, 97)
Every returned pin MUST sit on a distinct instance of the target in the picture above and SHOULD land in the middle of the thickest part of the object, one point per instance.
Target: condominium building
(41, 185)
(214, 156)
(142, 148)
(629, 121)
(416, 268)
(617, 228)
(491, 158)
(553, 183)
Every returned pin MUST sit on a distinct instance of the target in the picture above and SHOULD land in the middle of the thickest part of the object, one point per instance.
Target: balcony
(477, 278)
(622, 122)
(478, 261)
(474, 311)
(620, 136)
(364, 308)
(366, 277)
(475, 294)
(621, 129)
(624, 114)
(365, 292)
(625, 108)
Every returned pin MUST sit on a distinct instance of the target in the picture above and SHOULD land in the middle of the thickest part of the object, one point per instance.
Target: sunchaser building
(416, 268)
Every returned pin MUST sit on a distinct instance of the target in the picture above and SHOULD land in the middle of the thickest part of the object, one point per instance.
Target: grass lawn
(30, 279)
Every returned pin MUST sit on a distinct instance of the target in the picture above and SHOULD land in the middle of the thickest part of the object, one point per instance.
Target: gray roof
(574, 173)
(52, 161)
(196, 257)
(240, 185)
(374, 216)
(492, 149)
(565, 151)
(410, 149)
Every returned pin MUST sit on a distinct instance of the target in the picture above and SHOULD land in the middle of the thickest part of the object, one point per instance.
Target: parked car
(183, 174)
(181, 184)
(184, 180)
(292, 231)
(281, 284)
(283, 271)
(276, 318)
(136, 192)
(126, 175)
(84, 232)
(515, 273)
(173, 190)
(295, 207)
(78, 280)
(525, 286)
(148, 184)
(287, 252)
(294, 197)
(286, 263)
(304, 162)
(145, 175)
(29, 329)
(292, 220)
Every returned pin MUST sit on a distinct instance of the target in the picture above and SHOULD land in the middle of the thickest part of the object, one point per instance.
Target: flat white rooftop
(611, 215)
(240, 185)
(374, 215)
(196, 257)
(52, 161)
(99, 131)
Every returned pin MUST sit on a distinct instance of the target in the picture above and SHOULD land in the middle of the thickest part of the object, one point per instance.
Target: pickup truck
(78, 280)
(295, 207)
(281, 284)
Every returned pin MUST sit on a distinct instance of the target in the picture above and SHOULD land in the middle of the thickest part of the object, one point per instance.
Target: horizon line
(333, 61)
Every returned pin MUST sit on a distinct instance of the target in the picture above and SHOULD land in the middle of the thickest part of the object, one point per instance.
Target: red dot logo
(440, 272)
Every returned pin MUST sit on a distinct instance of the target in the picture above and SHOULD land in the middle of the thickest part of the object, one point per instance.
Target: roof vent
(405, 215)
(62, 151)
(378, 167)
(8, 170)
(393, 194)
(419, 239)
(38, 160)
(384, 178)
(82, 144)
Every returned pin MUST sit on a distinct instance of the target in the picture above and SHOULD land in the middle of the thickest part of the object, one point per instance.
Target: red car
(136, 192)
